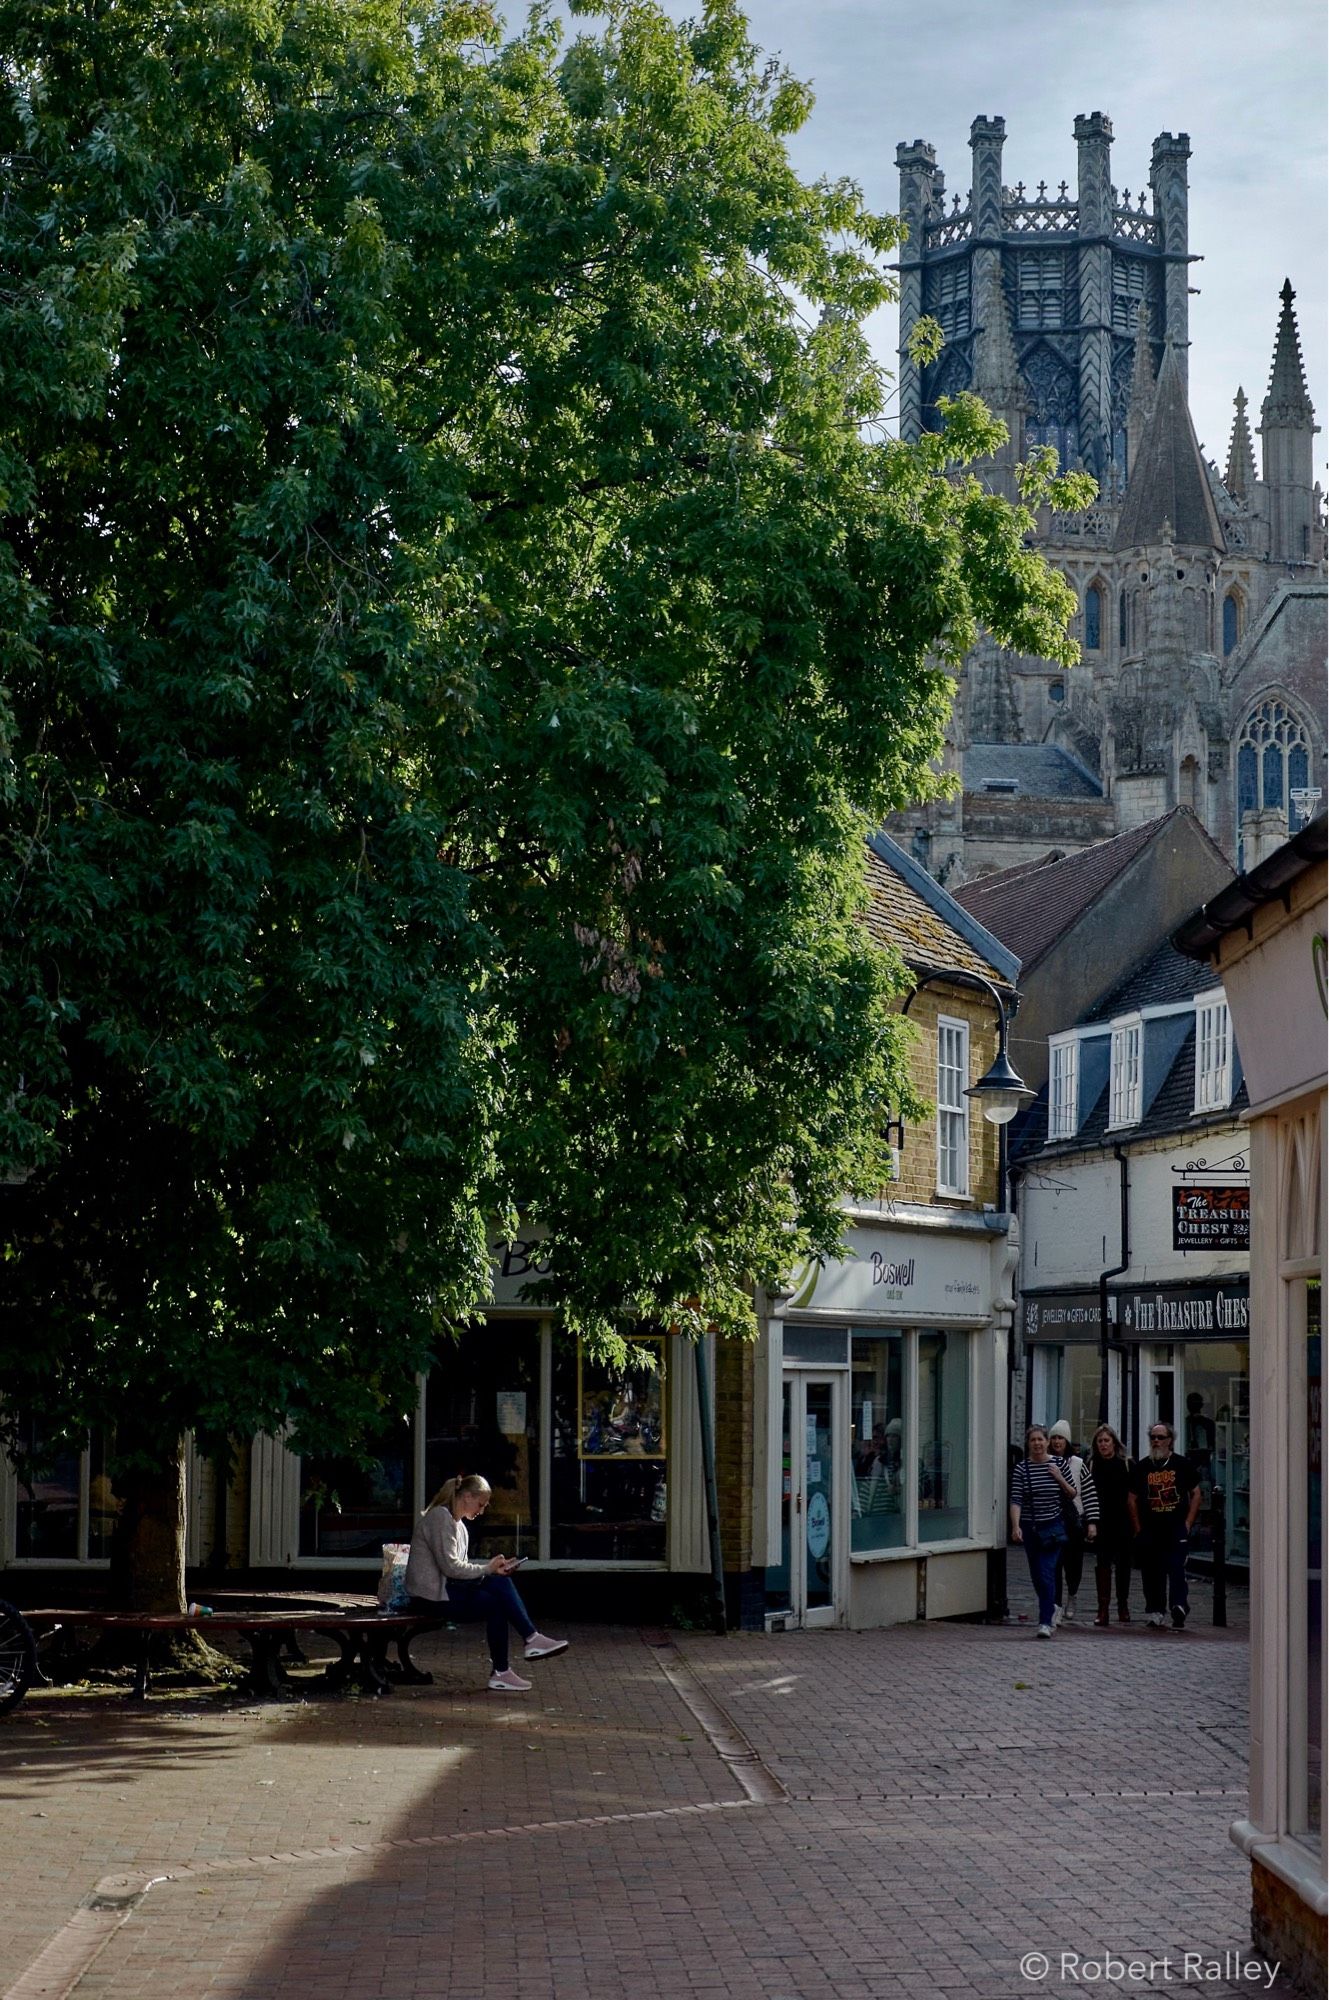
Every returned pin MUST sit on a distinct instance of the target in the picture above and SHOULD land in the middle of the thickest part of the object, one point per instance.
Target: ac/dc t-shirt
(1163, 1490)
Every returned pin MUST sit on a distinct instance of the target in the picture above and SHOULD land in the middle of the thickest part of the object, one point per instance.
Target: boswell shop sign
(1211, 1218)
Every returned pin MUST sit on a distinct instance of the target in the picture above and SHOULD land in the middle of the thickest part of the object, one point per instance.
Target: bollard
(1218, 1515)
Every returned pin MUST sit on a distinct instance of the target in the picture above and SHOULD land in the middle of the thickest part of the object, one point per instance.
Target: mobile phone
(517, 1561)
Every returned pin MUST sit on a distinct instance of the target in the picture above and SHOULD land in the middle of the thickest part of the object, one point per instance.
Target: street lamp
(1001, 1090)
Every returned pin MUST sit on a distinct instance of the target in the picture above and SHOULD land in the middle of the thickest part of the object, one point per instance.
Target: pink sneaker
(509, 1683)
(539, 1648)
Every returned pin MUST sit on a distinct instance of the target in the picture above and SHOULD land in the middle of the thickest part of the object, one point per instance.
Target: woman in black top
(1111, 1471)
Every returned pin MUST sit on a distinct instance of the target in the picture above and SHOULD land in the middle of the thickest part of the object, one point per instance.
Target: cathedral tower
(1074, 270)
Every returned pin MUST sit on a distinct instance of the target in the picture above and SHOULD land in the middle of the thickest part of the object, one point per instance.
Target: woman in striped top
(1038, 1490)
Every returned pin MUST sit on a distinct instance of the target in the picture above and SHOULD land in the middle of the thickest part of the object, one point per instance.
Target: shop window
(943, 1436)
(1064, 1089)
(1213, 1424)
(609, 1465)
(877, 1515)
(482, 1414)
(952, 1106)
(1213, 1053)
(1125, 1084)
(65, 1504)
(351, 1504)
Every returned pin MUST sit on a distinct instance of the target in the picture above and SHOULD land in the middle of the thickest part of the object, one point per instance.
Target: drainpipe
(718, 1617)
(1113, 1271)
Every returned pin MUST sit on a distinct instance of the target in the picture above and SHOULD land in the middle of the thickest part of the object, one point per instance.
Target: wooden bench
(363, 1637)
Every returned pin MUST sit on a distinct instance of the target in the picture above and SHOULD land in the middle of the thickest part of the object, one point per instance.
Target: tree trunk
(148, 1545)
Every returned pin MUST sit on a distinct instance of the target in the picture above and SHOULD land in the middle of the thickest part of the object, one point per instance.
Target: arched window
(1093, 619)
(1231, 623)
(1273, 762)
(1121, 620)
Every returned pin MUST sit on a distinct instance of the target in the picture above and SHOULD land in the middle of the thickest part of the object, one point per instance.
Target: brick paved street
(929, 1803)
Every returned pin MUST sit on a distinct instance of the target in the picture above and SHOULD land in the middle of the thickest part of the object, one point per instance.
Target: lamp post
(1001, 1090)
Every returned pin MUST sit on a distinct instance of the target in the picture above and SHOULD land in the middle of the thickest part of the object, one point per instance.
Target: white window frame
(952, 1104)
(1126, 1077)
(1063, 1086)
(1213, 1051)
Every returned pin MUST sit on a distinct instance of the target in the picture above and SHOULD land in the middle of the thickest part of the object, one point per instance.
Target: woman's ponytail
(469, 1482)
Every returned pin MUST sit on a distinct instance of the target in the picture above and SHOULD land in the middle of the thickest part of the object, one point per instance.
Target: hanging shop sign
(1211, 1218)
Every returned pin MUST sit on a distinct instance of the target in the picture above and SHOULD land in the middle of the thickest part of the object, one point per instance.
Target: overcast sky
(1246, 79)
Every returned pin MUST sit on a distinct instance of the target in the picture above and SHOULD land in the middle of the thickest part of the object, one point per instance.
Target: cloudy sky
(1246, 80)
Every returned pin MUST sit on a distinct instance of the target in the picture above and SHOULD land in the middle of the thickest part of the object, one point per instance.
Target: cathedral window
(1273, 764)
(1093, 619)
(1231, 623)
(1041, 290)
(1121, 620)
(1127, 293)
(948, 297)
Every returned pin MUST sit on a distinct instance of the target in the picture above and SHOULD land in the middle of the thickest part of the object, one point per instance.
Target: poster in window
(620, 1412)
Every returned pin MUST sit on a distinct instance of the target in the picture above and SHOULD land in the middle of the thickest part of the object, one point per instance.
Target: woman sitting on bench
(445, 1583)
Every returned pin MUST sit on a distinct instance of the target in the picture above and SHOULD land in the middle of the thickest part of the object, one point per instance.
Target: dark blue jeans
(1044, 1548)
(491, 1598)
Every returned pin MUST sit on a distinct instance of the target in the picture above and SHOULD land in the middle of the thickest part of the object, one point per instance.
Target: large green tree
(458, 614)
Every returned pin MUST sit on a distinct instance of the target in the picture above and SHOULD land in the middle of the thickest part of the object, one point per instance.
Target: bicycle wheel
(18, 1657)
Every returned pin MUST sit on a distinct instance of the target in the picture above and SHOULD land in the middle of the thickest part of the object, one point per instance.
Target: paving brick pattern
(956, 1796)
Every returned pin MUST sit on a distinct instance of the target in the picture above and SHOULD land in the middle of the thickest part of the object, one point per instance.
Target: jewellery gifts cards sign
(1211, 1218)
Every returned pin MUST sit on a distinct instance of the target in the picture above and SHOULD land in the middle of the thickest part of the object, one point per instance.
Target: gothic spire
(1142, 390)
(1240, 476)
(1168, 485)
(1288, 400)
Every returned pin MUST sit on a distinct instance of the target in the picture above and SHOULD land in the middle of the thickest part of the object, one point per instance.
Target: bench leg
(339, 1671)
(372, 1673)
(406, 1670)
(142, 1669)
(265, 1668)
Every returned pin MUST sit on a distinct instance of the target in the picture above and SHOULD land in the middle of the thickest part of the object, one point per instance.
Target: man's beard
(1160, 1451)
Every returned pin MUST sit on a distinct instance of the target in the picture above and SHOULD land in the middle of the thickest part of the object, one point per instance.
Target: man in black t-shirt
(1164, 1501)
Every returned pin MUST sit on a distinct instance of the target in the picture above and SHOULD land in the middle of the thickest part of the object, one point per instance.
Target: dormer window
(1213, 1053)
(1126, 1073)
(1063, 1092)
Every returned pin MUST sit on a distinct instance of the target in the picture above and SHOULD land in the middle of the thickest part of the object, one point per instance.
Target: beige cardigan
(439, 1550)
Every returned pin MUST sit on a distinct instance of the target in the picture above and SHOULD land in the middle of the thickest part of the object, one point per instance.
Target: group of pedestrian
(1064, 1504)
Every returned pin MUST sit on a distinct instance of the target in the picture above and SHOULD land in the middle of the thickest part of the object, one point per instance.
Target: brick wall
(1284, 1932)
(918, 1161)
(734, 1390)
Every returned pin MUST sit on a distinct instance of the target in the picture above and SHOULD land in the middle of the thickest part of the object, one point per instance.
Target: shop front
(883, 1381)
(1178, 1353)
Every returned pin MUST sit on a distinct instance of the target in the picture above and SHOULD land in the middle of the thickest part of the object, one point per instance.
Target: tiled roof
(897, 915)
(1163, 976)
(1029, 908)
(1028, 771)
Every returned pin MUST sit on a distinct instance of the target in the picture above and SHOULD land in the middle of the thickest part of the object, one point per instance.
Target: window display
(877, 1512)
(482, 1414)
(609, 1492)
(349, 1507)
(943, 1436)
